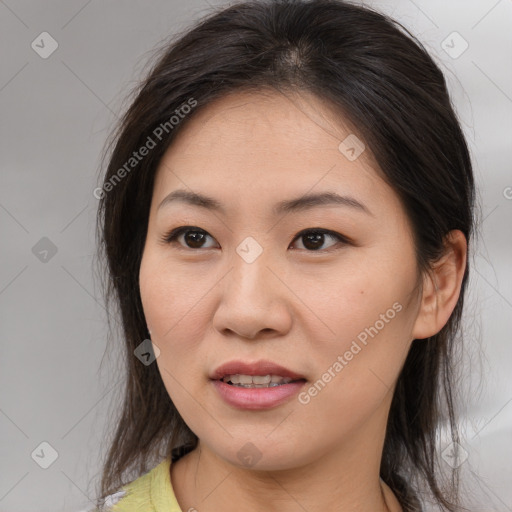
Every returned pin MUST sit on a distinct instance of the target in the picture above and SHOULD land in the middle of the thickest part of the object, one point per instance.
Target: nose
(253, 301)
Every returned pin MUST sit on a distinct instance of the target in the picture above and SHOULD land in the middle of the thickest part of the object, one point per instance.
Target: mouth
(256, 386)
(258, 381)
(255, 374)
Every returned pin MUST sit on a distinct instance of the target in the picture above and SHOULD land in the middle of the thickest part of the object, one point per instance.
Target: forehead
(265, 123)
(262, 147)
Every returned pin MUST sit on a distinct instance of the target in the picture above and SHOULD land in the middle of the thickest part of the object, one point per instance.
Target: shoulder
(139, 493)
(106, 504)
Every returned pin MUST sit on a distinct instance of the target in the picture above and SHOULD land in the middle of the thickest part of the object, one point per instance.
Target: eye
(193, 237)
(313, 239)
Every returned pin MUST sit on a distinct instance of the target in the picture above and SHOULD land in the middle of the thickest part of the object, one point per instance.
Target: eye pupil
(316, 238)
(194, 238)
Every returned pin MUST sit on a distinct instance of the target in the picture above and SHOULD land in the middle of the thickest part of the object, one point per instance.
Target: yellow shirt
(151, 492)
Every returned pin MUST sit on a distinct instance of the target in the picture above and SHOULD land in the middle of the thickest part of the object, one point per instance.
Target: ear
(441, 287)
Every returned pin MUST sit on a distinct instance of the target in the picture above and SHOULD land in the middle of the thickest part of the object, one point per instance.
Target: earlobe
(441, 287)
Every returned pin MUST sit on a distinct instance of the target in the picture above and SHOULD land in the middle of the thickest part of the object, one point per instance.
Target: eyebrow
(302, 203)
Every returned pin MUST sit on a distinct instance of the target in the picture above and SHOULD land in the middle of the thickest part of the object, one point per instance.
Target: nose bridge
(250, 299)
(250, 274)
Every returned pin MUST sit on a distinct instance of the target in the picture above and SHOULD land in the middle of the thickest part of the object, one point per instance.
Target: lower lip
(257, 398)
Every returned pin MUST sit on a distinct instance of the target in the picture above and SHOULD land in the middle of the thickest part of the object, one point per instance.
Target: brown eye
(314, 239)
(193, 238)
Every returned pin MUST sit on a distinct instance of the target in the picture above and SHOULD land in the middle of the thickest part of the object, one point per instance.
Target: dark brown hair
(371, 69)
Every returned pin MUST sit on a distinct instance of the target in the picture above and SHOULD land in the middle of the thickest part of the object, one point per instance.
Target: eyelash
(172, 235)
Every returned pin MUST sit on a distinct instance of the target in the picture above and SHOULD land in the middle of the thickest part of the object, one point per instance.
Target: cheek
(171, 297)
(371, 331)
(153, 294)
(369, 317)
(178, 312)
(176, 315)
(356, 373)
(354, 297)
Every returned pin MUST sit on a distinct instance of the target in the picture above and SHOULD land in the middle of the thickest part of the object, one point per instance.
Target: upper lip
(253, 368)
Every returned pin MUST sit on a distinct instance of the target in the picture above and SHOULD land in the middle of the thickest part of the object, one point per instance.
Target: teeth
(256, 381)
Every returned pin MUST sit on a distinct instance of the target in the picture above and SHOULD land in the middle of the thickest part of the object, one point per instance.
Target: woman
(286, 214)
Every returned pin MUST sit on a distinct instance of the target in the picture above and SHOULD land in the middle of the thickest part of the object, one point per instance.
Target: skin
(302, 308)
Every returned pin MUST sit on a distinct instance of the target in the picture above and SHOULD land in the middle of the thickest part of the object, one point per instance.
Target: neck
(205, 482)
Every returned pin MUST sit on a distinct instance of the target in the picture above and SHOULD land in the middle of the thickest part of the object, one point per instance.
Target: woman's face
(241, 285)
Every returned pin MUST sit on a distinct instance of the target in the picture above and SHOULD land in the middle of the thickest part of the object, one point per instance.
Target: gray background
(55, 116)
